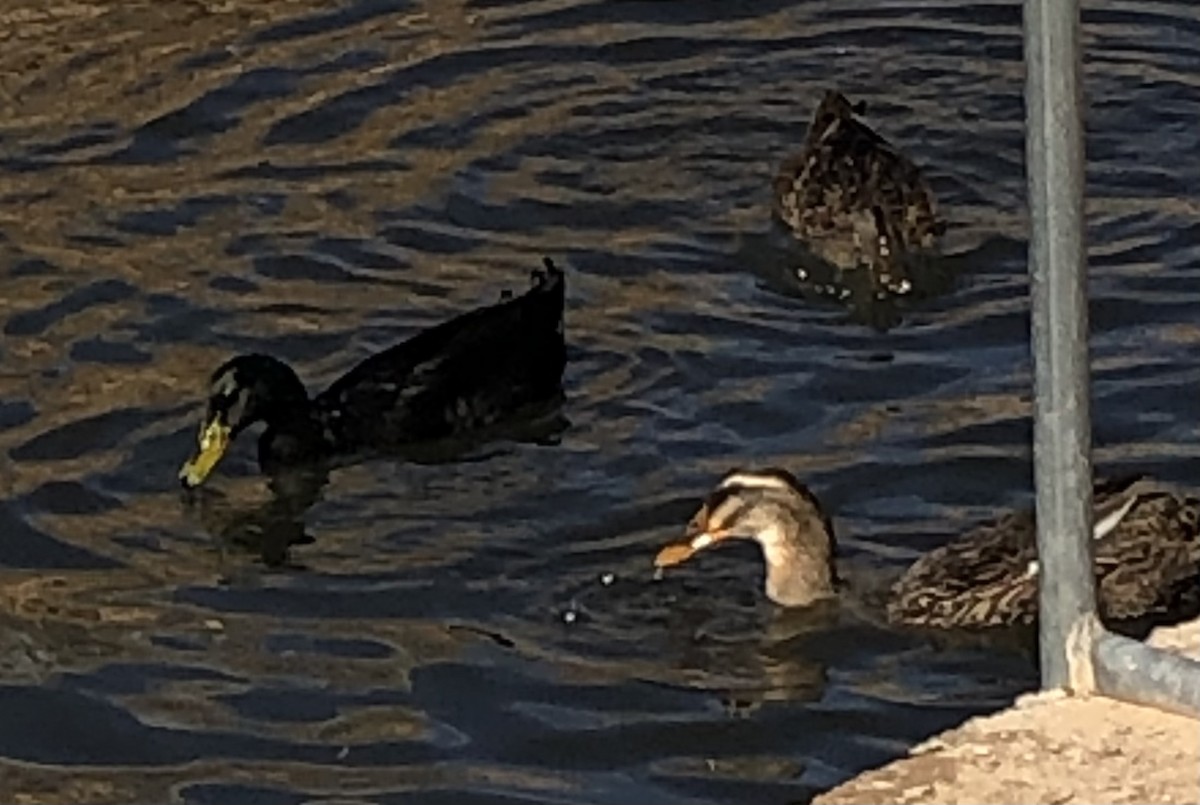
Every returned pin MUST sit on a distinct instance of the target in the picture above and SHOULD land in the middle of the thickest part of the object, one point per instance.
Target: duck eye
(227, 408)
(722, 513)
(235, 407)
(225, 385)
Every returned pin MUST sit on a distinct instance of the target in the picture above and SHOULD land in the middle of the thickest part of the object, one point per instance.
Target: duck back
(851, 197)
(461, 375)
(1146, 552)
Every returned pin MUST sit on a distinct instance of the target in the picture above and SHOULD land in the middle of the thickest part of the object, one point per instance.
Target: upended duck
(449, 380)
(855, 201)
(1147, 554)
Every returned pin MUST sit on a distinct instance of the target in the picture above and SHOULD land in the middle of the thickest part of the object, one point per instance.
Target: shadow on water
(181, 182)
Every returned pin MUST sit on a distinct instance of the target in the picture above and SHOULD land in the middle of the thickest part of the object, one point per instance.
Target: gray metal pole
(1058, 288)
(1129, 670)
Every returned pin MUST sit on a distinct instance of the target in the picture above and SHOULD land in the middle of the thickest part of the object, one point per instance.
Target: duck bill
(679, 552)
(214, 440)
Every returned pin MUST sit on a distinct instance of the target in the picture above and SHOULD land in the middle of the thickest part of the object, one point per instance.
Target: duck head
(243, 390)
(775, 510)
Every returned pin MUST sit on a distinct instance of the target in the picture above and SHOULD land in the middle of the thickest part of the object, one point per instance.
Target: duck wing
(1148, 565)
(980, 579)
(462, 374)
(1147, 562)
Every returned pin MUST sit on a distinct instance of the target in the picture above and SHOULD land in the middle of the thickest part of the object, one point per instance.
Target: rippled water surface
(180, 181)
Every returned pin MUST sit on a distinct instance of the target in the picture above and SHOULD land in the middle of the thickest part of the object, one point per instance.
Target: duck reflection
(750, 661)
(269, 530)
(703, 633)
(871, 296)
(779, 662)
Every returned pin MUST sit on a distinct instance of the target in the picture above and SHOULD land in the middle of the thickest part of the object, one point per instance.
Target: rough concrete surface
(1051, 749)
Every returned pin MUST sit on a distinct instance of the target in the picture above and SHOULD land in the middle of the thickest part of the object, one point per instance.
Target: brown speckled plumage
(1147, 553)
(1147, 565)
(853, 200)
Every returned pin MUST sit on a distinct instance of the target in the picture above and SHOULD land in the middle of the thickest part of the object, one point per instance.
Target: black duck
(449, 380)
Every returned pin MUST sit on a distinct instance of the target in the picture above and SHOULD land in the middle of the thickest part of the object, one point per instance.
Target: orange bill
(674, 554)
(678, 552)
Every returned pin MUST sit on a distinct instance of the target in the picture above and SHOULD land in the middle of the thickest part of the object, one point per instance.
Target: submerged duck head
(244, 390)
(775, 510)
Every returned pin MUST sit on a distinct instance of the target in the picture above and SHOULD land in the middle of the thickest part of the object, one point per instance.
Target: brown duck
(853, 200)
(1147, 554)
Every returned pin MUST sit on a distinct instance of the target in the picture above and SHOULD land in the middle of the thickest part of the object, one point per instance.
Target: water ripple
(320, 182)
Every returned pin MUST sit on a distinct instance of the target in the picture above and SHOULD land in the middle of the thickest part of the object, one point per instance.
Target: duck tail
(545, 300)
(543, 280)
(548, 285)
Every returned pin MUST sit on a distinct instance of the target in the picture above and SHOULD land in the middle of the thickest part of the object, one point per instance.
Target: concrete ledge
(1052, 749)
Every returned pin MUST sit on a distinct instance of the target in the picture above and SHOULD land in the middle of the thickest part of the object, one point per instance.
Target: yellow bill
(214, 439)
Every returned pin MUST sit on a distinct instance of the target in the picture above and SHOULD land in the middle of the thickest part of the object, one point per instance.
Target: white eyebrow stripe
(753, 481)
(725, 511)
(226, 384)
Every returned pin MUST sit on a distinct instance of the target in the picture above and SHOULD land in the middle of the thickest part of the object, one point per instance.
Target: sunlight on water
(181, 181)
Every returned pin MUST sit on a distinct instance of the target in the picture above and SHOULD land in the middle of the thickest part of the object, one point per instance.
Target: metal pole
(1129, 670)
(1058, 289)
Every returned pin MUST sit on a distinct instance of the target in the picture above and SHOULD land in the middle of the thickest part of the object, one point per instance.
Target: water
(181, 181)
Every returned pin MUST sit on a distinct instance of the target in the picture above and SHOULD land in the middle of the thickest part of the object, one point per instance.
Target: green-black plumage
(455, 378)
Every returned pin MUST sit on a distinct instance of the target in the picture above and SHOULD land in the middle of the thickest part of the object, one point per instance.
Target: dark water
(180, 181)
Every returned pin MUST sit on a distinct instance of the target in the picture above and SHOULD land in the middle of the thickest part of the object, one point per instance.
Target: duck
(1146, 541)
(854, 201)
(450, 380)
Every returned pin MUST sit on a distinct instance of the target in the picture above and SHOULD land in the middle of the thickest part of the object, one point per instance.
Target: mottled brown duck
(1147, 554)
(854, 201)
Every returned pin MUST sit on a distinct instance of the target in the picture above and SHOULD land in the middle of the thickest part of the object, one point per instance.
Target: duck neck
(291, 440)
(796, 575)
(294, 430)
